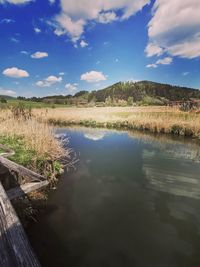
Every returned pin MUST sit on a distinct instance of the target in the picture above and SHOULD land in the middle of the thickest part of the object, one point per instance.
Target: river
(133, 200)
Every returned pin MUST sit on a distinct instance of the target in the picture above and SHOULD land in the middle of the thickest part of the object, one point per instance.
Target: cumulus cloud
(185, 73)
(49, 81)
(37, 30)
(175, 27)
(61, 73)
(16, 2)
(153, 49)
(7, 92)
(24, 52)
(38, 55)
(73, 28)
(162, 61)
(6, 20)
(83, 44)
(93, 76)
(14, 40)
(15, 73)
(152, 66)
(75, 15)
(107, 17)
(71, 88)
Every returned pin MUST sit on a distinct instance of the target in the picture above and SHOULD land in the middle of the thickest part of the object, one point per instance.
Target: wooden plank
(25, 189)
(22, 171)
(8, 152)
(15, 250)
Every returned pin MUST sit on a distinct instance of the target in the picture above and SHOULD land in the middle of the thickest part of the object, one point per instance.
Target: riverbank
(154, 119)
(34, 143)
(36, 148)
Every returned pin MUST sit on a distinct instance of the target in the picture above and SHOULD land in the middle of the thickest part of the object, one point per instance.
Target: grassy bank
(153, 119)
(33, 142)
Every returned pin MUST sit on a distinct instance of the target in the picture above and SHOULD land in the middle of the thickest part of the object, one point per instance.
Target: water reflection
(132, 201)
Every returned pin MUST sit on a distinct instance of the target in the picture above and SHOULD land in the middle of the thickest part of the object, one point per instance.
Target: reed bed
(37, 136)
(154, 119)
(34, 144)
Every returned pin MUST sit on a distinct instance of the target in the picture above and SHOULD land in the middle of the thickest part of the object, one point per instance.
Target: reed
(34, 142)
(154, 119)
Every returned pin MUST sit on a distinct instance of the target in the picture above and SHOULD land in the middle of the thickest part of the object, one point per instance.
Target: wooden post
(15, 250)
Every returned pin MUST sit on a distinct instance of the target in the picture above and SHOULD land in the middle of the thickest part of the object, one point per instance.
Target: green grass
(29, 158)
(22, 156)
(1, 151)
(31, 104)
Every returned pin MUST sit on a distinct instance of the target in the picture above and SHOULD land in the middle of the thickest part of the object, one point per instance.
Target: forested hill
(139, 90)
(125, 93)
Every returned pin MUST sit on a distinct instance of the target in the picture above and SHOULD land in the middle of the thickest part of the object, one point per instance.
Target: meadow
(154, 119)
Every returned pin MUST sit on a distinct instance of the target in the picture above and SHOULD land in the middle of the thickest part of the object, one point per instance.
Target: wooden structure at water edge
(15, 249)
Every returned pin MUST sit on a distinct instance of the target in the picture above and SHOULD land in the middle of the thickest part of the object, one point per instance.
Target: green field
(30, 104)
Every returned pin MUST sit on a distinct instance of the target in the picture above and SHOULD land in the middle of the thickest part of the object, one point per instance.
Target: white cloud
(107, 17)
(7, 92)
(52, 1)
(151, 66)
(61, 73)
(24, 52)
(68, 26)
(15, 73)
(15, 2)
(38, 55)
(37, 30)
(49, 81)
(175, 27)
(83, 44)
(6, 20)
(185, 73)
(71, 88)
(93, 76)
(14, 40)
(153, 49)
(75, 15)
(164, 61)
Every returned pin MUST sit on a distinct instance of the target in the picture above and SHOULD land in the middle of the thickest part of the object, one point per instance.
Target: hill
(123, 93)
(139, 90)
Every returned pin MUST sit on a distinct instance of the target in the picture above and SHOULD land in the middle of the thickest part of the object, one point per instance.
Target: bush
(20, 111)
(3, 100)
(151, 101)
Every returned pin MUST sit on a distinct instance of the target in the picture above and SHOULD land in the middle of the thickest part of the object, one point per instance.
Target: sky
(53, 47)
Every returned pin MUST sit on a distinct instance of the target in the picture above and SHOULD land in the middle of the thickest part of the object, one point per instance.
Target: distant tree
(108, 101)
(130, 101)
(3, 100)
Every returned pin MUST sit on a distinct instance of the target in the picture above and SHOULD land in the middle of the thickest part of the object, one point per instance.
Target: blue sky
(53, 47)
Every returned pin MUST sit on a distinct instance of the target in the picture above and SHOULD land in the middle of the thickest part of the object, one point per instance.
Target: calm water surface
(133, 200)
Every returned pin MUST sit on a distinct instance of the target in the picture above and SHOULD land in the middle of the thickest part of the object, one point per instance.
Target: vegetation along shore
(167, 120)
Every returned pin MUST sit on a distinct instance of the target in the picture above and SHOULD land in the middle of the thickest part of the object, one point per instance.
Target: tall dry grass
(153, 119)
(37, 136)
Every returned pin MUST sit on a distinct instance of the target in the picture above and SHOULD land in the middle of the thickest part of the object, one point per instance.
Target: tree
(3, 100)
(130, 101)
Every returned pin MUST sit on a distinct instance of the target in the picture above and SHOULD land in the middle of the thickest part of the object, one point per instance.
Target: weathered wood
(22, 171)
(25, 189)
(15, 250)
(8, 152)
